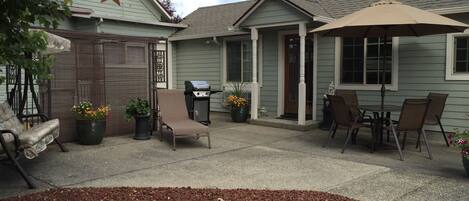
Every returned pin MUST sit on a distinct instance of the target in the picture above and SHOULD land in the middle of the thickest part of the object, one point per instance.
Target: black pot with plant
(90, 122)
(139, 110)
(237, 103)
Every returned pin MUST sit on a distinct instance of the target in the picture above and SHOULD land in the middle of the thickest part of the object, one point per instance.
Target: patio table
(379, 120)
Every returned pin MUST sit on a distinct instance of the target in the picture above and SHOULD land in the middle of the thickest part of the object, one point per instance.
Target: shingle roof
(216, 20)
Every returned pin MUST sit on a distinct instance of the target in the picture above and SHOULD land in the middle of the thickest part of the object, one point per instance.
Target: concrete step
(285, 124)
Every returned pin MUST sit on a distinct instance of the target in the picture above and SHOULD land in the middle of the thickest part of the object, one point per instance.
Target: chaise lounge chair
(174, 115)
(16, 139)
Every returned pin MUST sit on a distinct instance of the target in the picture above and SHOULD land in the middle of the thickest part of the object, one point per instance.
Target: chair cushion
(39, 132)
(187, 127)
(8, 119)
(36, 139)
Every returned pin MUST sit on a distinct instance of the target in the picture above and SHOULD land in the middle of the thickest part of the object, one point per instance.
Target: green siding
(197, 60)
(86, 25)
(134, 29)
(273, 11)
(422, 65)
(141, 10)
(269, 89)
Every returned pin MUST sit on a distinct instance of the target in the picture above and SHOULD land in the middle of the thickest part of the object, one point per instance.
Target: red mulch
(176, 194)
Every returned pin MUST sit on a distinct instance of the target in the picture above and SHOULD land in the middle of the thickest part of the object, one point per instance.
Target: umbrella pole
(383, 75)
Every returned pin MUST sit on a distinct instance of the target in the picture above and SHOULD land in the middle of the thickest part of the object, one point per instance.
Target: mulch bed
(168, 194)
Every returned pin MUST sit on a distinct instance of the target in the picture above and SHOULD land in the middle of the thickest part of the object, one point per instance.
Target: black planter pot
(239, 115)
(465, 163)
(90, 132)
(326, 123)
(142, 128)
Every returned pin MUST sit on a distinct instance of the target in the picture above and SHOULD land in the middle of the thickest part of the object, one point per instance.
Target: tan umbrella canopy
(389, 18)
(55, 44)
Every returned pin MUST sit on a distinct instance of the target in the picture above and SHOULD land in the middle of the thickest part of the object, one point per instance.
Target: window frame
(228, 85)
(451, 56)
(131, 65)
(369, 87)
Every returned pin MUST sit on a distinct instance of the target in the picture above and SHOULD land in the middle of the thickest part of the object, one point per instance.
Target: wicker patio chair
(174, 115)
(435, 112)
(16, 139)
(343, 118)
(412, 118)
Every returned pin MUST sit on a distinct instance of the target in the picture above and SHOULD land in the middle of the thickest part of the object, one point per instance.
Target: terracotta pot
(91, 132)
(239, 115)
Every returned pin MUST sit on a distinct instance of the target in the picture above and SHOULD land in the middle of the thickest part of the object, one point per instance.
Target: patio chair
(16, 139)
(351, 100)
(174, 115)
(412, 118)
(435, 112)
(343, 118)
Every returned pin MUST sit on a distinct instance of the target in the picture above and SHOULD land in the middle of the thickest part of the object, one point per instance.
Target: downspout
(98, 25)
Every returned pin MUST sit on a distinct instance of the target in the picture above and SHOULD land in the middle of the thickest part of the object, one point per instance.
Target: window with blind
(239, 61)
(362, 61)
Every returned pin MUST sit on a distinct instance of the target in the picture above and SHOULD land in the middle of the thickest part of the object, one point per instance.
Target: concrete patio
(249, 156)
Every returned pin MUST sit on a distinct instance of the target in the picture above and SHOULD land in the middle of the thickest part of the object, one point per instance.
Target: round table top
(378, 108)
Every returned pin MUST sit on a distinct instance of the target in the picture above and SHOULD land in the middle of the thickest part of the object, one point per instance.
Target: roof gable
(271, 12)
(129, 10)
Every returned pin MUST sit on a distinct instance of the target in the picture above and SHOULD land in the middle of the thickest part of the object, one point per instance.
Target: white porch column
(170, 64)
(302, 84)
(254, 85)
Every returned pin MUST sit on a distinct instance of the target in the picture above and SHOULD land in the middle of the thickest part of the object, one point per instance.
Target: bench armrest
(43, 117)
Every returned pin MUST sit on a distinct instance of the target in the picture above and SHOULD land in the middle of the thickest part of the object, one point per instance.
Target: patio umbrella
(389, 18)
(55, 44)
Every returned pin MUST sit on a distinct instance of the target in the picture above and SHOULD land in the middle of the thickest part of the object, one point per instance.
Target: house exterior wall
(272, 11)
(422, 67)
(138, 10)
(134, 29)
(199, 60)
(269, 88)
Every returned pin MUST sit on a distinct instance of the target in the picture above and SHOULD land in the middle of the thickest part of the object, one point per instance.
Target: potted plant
(238, 104)
(461, 140)
(139, 110)
(91, 122)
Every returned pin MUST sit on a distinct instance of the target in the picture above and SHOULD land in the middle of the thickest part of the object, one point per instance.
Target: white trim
(162, 9)
(279, 24)
(165, 24)
(170, 65)
(450, 56)
(246, 15)
(227, 85)
(208, 35)
(295, 6)
(370, 87)
(281, 71)
(323, 19)
(315, 76)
